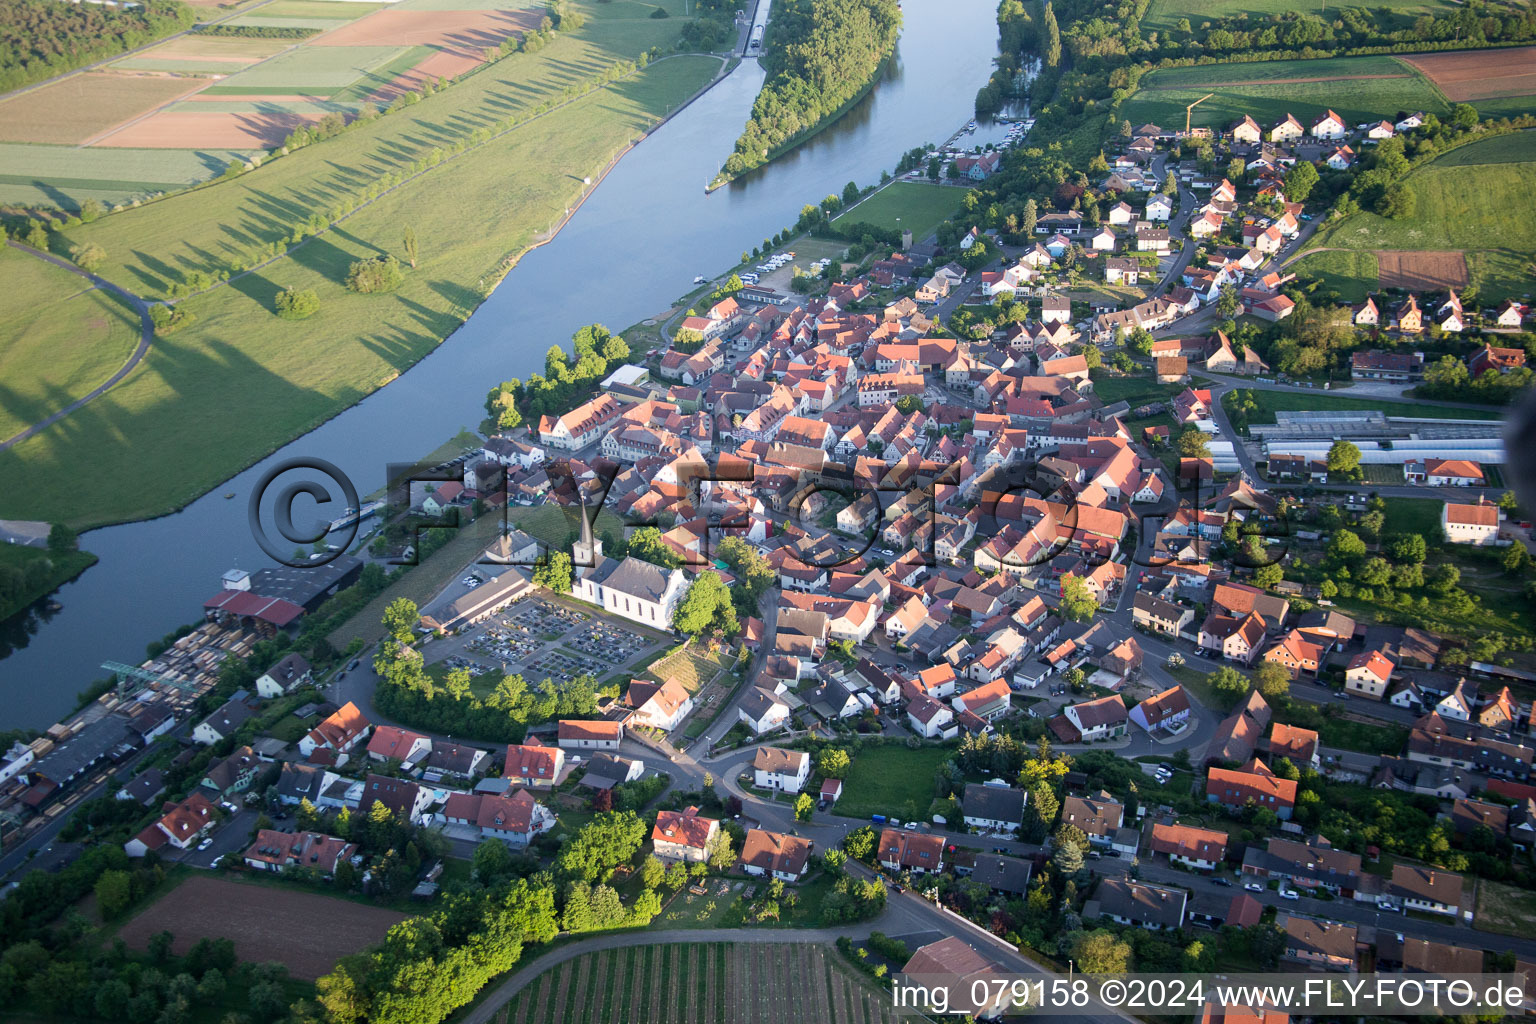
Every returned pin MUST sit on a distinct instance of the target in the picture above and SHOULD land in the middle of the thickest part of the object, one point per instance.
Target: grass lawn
(1270, 402)
(1335, 730)
(1475, 198)
(1354, 274)
(1389, 475)
(289, 729)
(1163, 95)
(62, 568)
(1413, 515)
(1140, 389)
(63, 337)
(1504, 908)
(910, 205)
(138, 439)
(893, 781)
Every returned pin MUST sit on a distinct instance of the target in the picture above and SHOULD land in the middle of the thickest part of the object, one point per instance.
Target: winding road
(146, 336)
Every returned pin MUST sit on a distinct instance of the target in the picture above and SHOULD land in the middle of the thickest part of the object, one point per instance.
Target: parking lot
(542, 639)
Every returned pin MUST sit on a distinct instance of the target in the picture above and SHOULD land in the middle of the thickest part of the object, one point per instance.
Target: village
(934, 503)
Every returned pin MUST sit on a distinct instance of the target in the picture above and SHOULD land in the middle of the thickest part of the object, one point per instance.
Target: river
(636, 244)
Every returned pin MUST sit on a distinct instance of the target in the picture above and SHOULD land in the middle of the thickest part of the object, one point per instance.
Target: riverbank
(804, 72)
(493, 202)
(38, 583)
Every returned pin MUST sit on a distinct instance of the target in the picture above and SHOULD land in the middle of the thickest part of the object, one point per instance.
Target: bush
(376, 276)
(292, 304)
(660, 12)
(168, 319)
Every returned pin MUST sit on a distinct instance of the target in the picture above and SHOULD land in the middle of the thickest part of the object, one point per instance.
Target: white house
(1159, 207)
(930, 719)
(590, 735)
(1470, 524)
(785, 858)
(762, 711)
(286, 676)
(658, 705)
(1329, 126)
(993, 808)
(683, 835)
(777, 768)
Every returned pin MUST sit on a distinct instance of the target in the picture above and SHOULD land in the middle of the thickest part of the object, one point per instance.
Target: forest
(819, 55)
(40, 38)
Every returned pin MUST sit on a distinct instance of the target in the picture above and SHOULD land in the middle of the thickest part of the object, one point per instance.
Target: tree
(1408, 548)
(1273, 680)
(1229, 685)
(850, 193)
(400, 619)
(492, 863)
(1052, 36)
(1101, 952)
(61, 539)
(706, 605)
(1170, 184)
(1463, 117)
(90, 210)
(646, 544)
(554, 572)
(1345, 547)
(720, 853)
(1077, 601)
(909, 404)
(652, 872)
(1227, 303)
(1344, 458)
(1092, 357)
(1397, 201)
(114, 891)
(834, 763)
(375, 276)
(860, 843)
(1268, 576)
(1068, 858)
(1192, 444)
(88, 257)
(294, 304)
(408, 243)
(1029, 218)
(1300, 180)
(804, 805)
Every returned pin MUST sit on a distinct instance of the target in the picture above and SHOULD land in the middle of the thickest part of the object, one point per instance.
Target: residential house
(1321, 944)
(290, 673)
(657, 705)
(1100, 719)
(779, 769)
(308, 851)
(993, 808)
(1202, 849)
(534, 765)
(223, 723)
(339, 733)
(684, 835)
(393, 743)
(1148, 907)
(774, 855)
(920, 854)
(1166, 711)
(1426, 889)
(1256, 784)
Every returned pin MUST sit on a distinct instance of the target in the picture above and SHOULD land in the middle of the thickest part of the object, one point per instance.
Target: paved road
(146, 335)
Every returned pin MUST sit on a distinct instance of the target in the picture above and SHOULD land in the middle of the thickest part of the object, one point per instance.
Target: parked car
(1253, 887)
(1289, 894)
(205, 843)
(1224, 883)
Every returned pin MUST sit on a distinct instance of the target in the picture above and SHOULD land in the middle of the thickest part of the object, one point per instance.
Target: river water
(636, 243)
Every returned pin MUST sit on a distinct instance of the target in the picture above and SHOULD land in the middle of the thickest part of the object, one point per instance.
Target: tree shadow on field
(464, 299)
(399, 348)
(322, 255)
(152, 272)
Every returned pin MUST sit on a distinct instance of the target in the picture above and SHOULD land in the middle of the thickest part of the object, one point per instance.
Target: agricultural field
(1505, 76)
(238, 355)
(1357, 88)
(1472, 203)
(40, 175)
(268, 923)
(76, 109)
(1163, 15)
(908, 205)
(701, 983)
(62, 338)
(204, 54)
